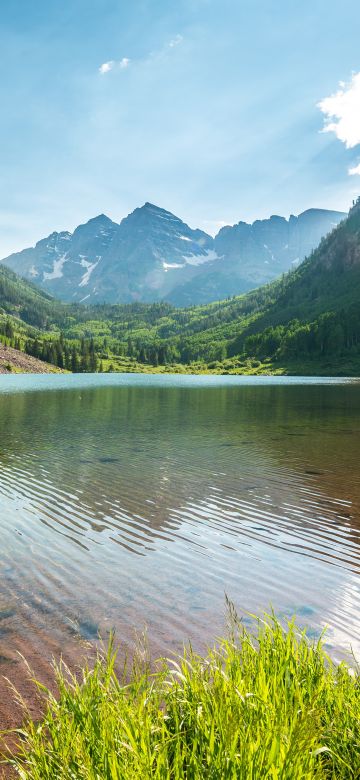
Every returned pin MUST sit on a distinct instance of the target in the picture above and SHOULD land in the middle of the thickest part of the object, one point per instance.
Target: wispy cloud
(106, 67)
(165, 50)
(124, 63)
(175, 41)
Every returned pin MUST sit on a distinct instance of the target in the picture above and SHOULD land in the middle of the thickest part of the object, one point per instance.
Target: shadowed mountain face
(152, 255)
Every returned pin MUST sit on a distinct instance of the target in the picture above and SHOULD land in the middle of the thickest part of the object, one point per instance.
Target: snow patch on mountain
(57, 271)
(194, 259)
(89, 269)
(166, 266)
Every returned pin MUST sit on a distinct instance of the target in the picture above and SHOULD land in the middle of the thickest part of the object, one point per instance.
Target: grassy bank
(240, 366)
(267, 704)
(230, 366)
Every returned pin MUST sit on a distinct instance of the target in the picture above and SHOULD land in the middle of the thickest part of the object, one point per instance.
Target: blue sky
(209, 108)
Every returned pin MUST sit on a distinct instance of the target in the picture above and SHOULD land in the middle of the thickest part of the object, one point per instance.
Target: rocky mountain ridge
(153, 255)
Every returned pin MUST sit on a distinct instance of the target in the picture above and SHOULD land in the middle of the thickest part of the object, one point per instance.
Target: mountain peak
(149, 214)
(153, 207)
(100, 225)
(100, 219)
(53, 238)
(315, 213)
(157, 211)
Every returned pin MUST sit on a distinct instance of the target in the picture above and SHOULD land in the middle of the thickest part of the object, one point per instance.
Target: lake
(129, 501)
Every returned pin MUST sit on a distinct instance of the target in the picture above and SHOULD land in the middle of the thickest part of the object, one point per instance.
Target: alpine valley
(153, 256)
(306, 321)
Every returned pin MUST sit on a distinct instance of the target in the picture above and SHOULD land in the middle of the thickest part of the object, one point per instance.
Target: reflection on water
(129, 501)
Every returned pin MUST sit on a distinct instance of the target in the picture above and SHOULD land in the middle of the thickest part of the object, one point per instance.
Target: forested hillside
(317, 314)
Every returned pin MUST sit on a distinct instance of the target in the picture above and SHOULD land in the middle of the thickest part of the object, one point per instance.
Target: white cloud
(106, 67)
(175, 41)
(355, 171)
(342, 114)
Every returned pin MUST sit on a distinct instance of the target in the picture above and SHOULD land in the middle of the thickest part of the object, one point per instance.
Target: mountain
(275, 243)
(253, 255)
(152, 255)
(150, 250)
(64, 262)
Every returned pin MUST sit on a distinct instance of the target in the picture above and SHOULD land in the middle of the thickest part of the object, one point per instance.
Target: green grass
(262, 704)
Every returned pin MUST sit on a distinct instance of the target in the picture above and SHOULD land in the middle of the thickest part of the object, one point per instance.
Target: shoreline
(264, 700)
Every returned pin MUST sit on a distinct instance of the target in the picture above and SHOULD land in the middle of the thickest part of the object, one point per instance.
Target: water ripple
(126, 505)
